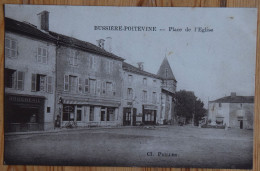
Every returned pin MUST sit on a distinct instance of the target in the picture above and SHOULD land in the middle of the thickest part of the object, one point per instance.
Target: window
(48, 109)
(109, 66)
(70, 83)
(145, 81)
(80, 85)
(79, 113)
(103, 114)
(92, 86)
(219, 105)
(94, 62)
(10, 78)
(144, 96)
(99, 87)
(42, 83)
(154, 83)
(130, 79)
(109, 88)
(49, 84)
(10, 48)
(129, 94)
(241, 105)
(14, 79)
(42, 55)
(114, 89)
(86, 86)
(154, 97)
(103, 87)
(91, 113)
(73, 58)
(68, 112)
(110, 114)
(73, 84)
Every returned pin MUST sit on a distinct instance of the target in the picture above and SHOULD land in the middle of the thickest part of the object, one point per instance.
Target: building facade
(30, 76)
(233, 111)
(55, 80)
(140, 96)
(148, 98)
(89, 83)
(168, 87)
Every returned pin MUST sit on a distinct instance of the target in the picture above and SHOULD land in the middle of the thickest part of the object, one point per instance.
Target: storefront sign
(23, 99)
(150, 107)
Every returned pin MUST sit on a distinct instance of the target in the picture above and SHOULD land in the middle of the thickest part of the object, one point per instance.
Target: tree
(188, 106)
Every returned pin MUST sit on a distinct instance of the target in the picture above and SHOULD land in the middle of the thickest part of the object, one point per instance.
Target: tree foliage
(187, 105)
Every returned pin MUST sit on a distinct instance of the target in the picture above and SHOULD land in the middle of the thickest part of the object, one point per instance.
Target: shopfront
(149, 114)
(24, 113)
(86, 113)
(127, 117)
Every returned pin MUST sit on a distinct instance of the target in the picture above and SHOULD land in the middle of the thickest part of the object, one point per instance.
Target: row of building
(52, 77)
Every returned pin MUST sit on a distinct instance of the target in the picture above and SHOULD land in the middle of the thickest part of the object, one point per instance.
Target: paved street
(171, 146)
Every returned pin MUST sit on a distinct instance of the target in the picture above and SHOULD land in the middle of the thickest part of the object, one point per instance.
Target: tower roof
(165, 71)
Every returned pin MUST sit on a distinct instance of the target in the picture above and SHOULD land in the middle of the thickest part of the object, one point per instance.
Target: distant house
(233, 111)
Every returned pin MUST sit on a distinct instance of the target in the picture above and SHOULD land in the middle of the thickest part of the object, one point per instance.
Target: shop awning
(91, 102)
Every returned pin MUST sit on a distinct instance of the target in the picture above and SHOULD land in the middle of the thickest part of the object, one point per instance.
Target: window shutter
(39, 55)
(20, 80)
(114, 88)
(49, 84)
(66, 82)
(86, 89)
(98, 87)
(79, 85)
(34, 80)
(104, 88)
(44, 56)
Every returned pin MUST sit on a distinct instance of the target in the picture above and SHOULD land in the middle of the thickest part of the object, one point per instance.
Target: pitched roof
(235, 99)
(131, 68)
(86, 46)
(162, 71)
(27, 29)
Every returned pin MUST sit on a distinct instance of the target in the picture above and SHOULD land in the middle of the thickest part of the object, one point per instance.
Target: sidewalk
(57, 130)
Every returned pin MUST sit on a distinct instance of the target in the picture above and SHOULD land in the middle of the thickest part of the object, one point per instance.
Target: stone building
(54, 79)
(168, 87)
(148, 96)
(89, 83)
(233, 111)
(30, 54)
(140, 96)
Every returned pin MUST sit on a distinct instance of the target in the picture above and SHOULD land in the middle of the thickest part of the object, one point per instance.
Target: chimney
(233, 94)
(43, 20)
(140, 65)
(108, 44)
(101, 43)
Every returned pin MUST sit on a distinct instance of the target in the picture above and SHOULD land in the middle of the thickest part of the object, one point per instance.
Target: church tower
(166, 74)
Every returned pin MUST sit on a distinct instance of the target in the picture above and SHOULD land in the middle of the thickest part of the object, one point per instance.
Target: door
(241, 124)
(126, 116)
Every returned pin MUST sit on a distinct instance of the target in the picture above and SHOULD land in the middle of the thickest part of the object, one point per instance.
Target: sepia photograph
(129, 86)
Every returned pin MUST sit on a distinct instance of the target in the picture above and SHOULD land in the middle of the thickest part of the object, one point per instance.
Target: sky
(212, 64)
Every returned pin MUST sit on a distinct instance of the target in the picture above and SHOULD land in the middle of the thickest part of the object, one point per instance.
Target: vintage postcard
(129, 86)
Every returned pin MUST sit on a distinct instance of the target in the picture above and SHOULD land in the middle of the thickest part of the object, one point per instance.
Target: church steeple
(168, 80)
(165, 71)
